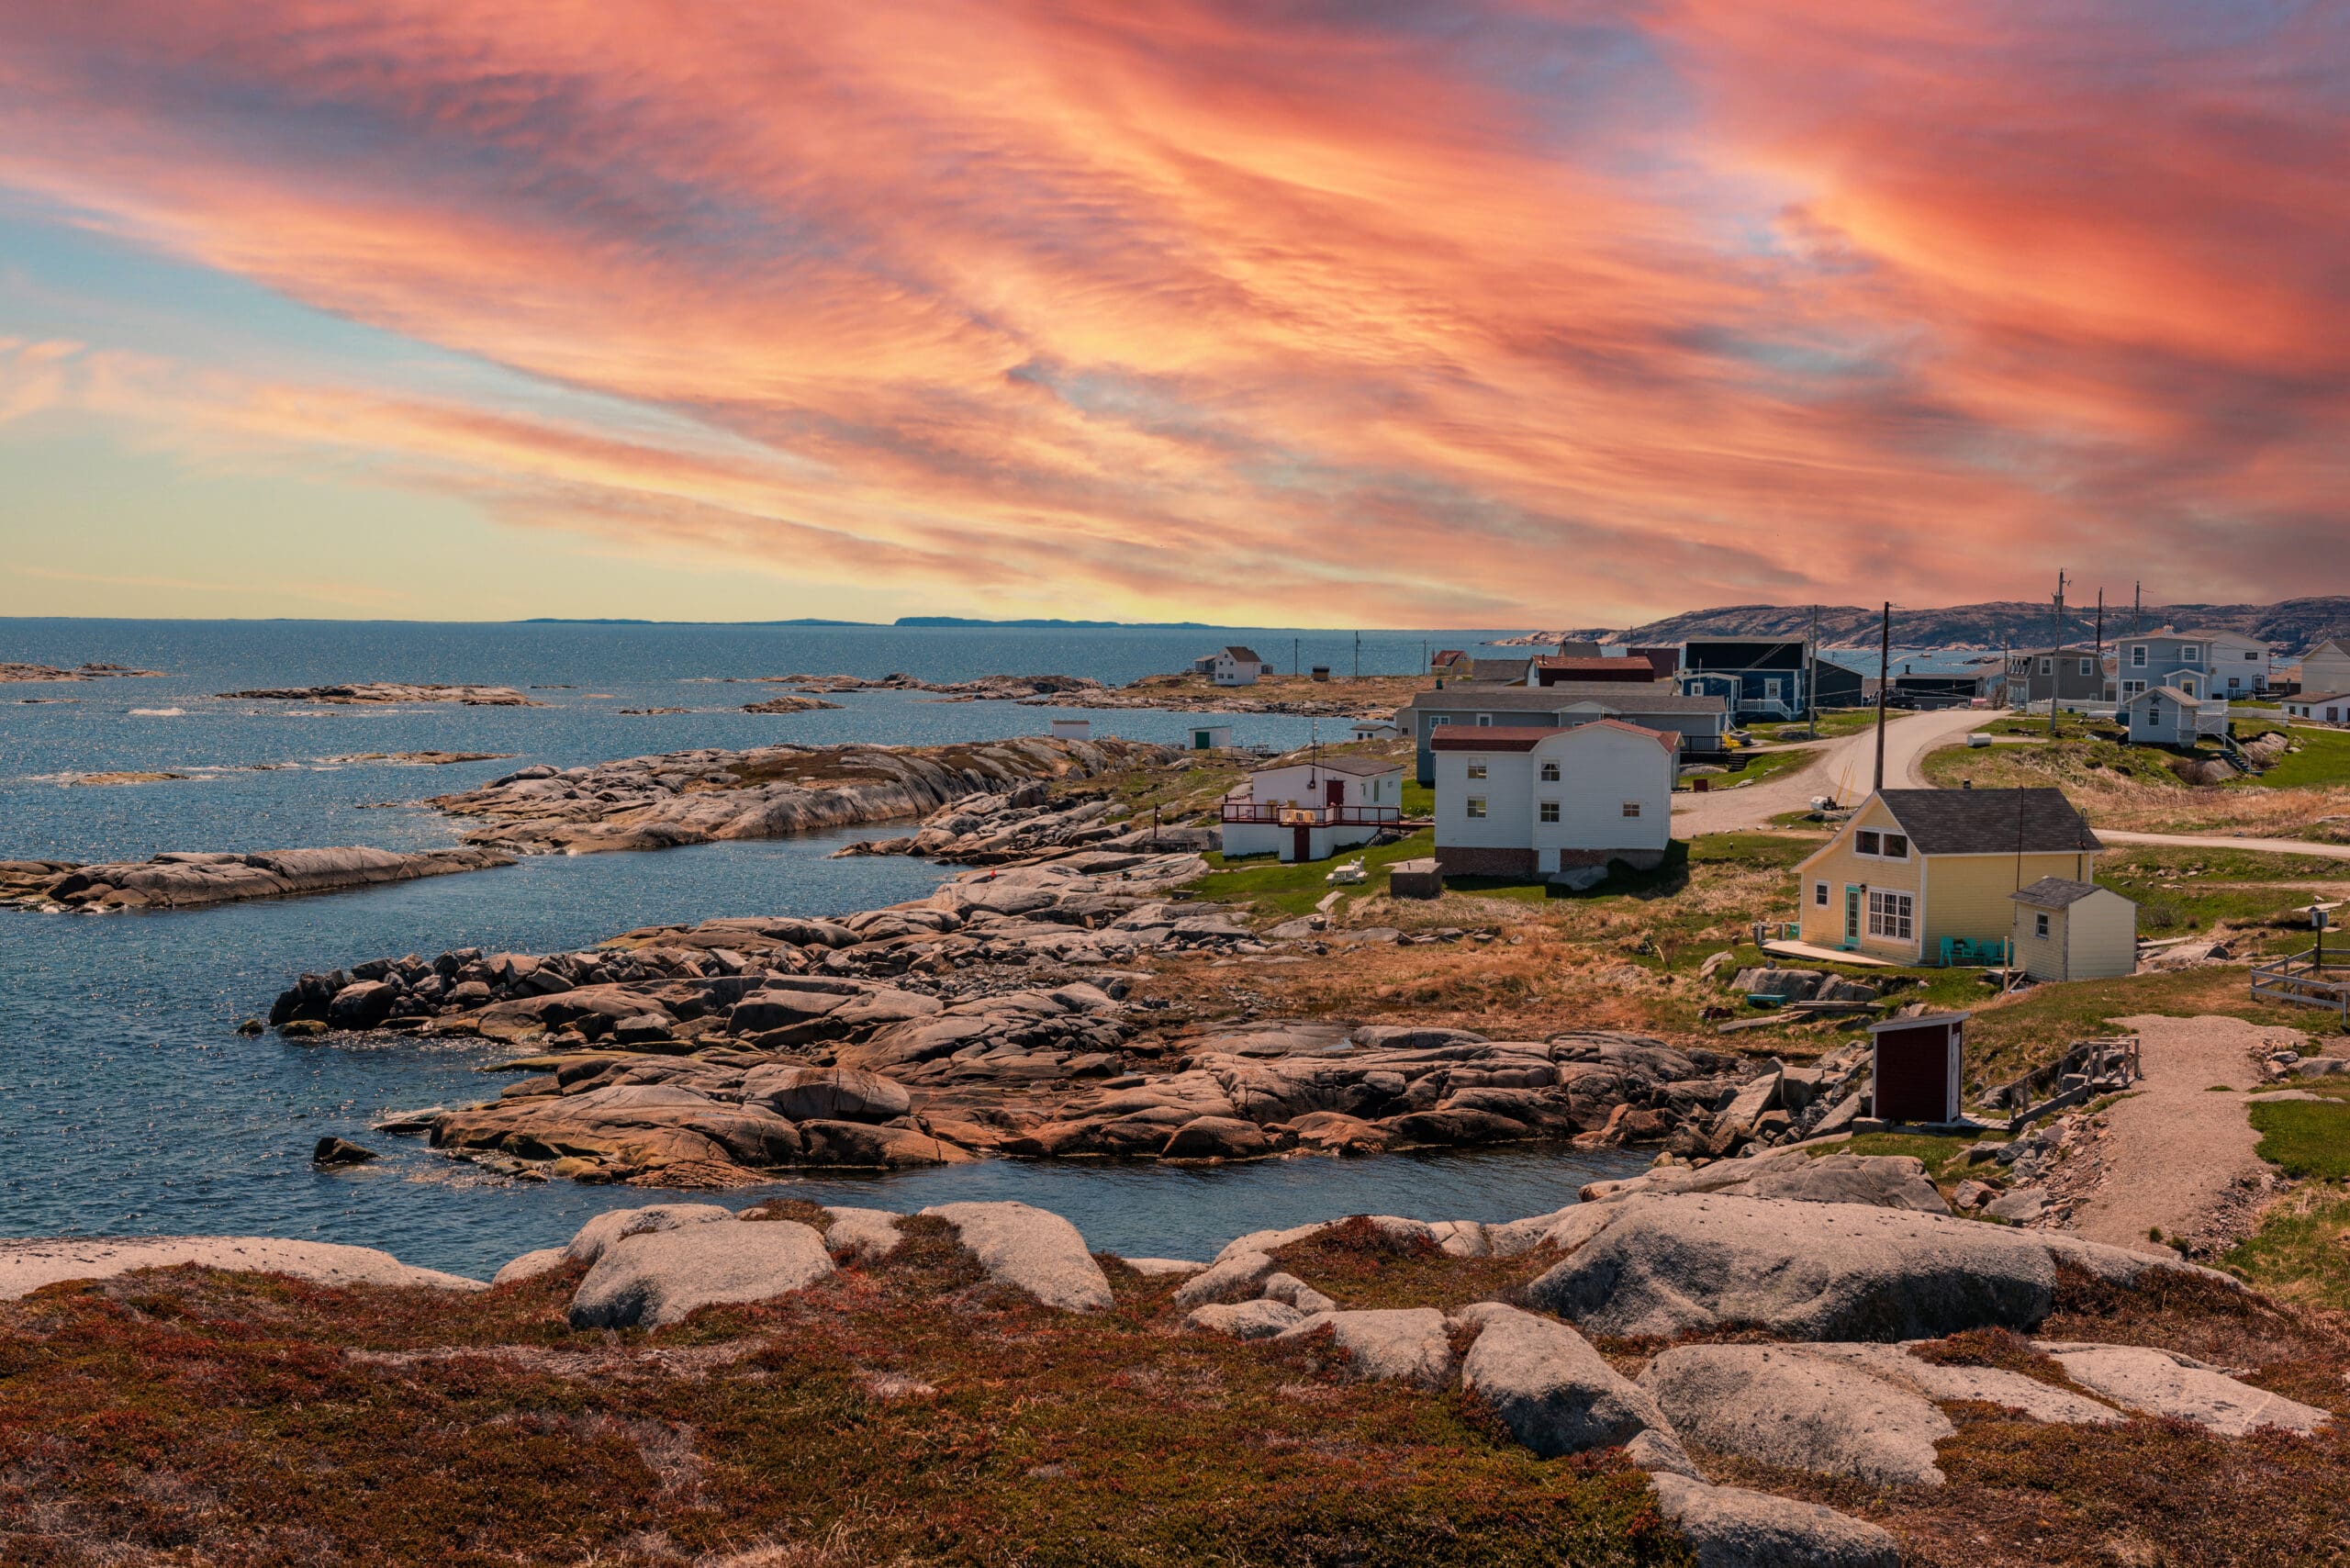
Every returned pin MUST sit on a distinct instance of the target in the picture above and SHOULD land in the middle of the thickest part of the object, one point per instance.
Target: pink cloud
(1504, 312)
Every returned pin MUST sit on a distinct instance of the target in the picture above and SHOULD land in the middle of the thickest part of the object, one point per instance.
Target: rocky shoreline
(372, 692)
(695, 797)
(11, 673)
(194, 880)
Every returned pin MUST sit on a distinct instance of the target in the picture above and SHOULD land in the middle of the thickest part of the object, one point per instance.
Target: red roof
(1526, 738)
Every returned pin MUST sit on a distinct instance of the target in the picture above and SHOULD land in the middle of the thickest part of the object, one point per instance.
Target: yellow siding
(1839, 867)
(2096, 938)
(2041, 957)
(1966, 895)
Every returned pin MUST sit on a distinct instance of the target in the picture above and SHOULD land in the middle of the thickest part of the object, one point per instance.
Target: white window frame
(1548, 812)
(2137, 655)
(1892, 915)
(1484, 721)
(2190, 653)
(1882, 836)
(1550, 773)
(2089, 667)
(2040, 923)
(1820, 895)
(1437, 720)
(1473, 808)
(1477, 768)
(2048, 666)
(1863, 838)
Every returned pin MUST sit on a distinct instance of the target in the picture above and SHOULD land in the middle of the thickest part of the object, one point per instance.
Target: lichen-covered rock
(27, 1266)
(1555, 1393)
(1776, 1404)
(1729, 1527)
(1390, 1345)
(589, 1243)
(2163, 1382)
(1245, 1319)
(1032, 1250)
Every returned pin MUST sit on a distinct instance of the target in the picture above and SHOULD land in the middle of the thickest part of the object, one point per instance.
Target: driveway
(1845, 769)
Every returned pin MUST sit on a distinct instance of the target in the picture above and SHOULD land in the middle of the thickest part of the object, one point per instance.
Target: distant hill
(2291, 626)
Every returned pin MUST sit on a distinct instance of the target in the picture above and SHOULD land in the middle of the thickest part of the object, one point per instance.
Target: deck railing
(1276, 813)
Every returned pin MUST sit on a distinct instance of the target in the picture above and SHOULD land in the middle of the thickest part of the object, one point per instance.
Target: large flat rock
(1398, 1344)
(2159, 1383)
(26, 1266)
(1776, 1404)
(1665, 1266)
(653, 1279)
(1729, 1527)
(1030, 1249)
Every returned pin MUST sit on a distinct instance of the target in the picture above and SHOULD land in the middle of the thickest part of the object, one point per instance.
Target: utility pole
(2056, 657)
(2137, 605)
(1811, 674)
(2100, 643)
(1884, 660)
(1358, 655)
(1292, 657)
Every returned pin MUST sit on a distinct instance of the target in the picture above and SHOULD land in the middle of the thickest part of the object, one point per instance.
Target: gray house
(2181, 659)
(1700, 721)
(2072, 675)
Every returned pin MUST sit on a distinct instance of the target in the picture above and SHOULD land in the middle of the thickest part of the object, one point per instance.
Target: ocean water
(129, 1105)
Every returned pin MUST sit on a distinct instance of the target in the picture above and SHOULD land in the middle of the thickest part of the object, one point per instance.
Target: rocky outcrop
(653, 1279)
(2180, 1388)
(1659, 1267)
(1776, 1404)
(1730, 1526)
(180, 880)
(377, 692)
(1029, 824)
(656, 802)
(10, 673)
(1555, 1393)
(27, 1266)
(789, 705)
(1030, 1250)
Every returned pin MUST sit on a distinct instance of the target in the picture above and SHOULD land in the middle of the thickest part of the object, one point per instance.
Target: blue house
(1755, 678)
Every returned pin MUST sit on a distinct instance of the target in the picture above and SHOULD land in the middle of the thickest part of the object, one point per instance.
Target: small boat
(1348, 874)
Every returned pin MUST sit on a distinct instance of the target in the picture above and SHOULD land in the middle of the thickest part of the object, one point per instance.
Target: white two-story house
(1536, 800)
(1235, 667)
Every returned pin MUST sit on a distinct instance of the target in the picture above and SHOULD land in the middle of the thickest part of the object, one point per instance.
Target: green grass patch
(1833, 725)
(2323, 762)
(2302, 1252)
(1944, 1158)
(1293, 889)
(2305, 1137)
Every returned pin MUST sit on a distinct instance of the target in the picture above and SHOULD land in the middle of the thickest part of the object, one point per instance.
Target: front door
(1301, 842)
(1852, 915)
(1334, 793)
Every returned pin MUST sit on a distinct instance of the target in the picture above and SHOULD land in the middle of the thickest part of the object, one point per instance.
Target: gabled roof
(1499, 670)
(1491, 737)
(2339, 644)
(1990, 821)
(1617, 696)
(1243, 655)
(1598, 665)
(1448, 656)
(2319, 697)
(1526, 738)
(1352, 767)
(2056, 893)
(2173, 692)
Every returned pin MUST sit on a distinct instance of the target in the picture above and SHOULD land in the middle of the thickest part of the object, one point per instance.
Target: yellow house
(1916, 869)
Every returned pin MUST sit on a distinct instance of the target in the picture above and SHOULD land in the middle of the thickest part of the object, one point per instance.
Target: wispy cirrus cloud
(1504, 311)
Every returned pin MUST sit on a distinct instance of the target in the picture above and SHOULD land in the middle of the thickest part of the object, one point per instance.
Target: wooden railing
(1275, 813)
(2297, 979)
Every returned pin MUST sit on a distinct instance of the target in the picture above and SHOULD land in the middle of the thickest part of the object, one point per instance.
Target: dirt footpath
(2172, 1149)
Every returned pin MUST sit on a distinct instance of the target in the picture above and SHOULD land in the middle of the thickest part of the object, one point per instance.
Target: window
(1632, 808)
(1476, 807)
(2048, 666)
(1820, 894)
(1439, 719)
(2251, 653)
(1897, 847)
(2190, 654)
(2137, 655)
(1889, 915)
(1484, 721)
(1550, 773)
(2039, 924)
(2089, 667)
(1550, 811)
(2235, 683)
(1866, 842)
(1476, 770)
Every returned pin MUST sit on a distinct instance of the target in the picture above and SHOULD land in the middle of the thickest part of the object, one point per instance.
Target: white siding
(1509, 807)
(1601, 767)
(1305, 785)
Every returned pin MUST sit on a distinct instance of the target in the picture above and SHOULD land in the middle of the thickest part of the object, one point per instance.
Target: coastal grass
(1834, 725)
(2012, 1034)
(1288, 891)
(2304, 1137)
(2322, 760)
(908, 1411)
(2132, 788)
(1362, 1267)
(1759, 767)
(2300, 1249)
(1944, 1158)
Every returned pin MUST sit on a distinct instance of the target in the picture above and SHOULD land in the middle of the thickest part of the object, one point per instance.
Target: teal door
(1852, 915)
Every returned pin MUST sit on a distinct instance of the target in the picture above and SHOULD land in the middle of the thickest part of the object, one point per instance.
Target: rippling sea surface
(129, 1105)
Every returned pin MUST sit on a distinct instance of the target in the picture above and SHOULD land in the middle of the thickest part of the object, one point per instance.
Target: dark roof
(2317, 696)
(1491, 737)
(1353, 767)
(1499, 670)
(1618, 696)
(1990, 821)
(1243, 656)
(1602, 666)
(2054, 892)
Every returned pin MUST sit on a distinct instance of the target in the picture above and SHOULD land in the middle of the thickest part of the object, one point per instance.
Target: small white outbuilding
(2066, 931)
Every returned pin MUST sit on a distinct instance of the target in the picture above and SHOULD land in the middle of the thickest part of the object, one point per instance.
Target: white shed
(1211, 738)
(2067, 930)
(2319, 707)
(1073, 729)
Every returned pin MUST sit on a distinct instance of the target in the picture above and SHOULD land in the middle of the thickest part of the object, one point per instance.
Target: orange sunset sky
(1483, 313)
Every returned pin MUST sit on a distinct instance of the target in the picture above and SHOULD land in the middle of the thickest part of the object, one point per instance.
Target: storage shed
(1211, 738)
(1073, 729)
(1915, 1066)
(2067, 930)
